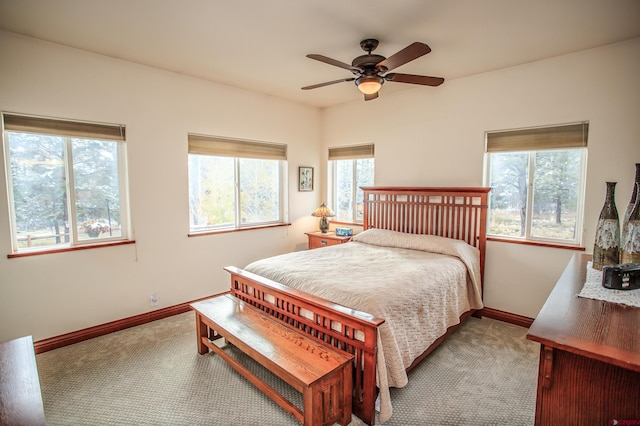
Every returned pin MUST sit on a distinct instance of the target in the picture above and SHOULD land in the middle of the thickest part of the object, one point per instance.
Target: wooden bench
(20, 397)
(323, 374)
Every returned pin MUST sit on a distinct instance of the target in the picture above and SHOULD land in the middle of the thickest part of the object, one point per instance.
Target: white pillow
(387, 238)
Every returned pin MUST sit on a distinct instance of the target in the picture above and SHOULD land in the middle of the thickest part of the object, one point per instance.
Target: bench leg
(312, 405)
(329, 400)
(202, 331)
(347, 388)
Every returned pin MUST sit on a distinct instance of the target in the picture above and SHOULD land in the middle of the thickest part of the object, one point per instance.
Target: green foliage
(350, 175)
(97, 189)
(39, 182)
(260, 189)
(556, 182)
(556, 176)
(213, 195)
(211, 190)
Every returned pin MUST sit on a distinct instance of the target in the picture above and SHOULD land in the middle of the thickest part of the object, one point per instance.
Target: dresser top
(608, 332)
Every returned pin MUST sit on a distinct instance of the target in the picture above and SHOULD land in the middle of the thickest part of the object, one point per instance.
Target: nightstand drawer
(318, 239)
(322, 242)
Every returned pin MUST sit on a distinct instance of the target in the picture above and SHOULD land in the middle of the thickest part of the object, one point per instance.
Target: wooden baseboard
(515, 319)
(51, 343)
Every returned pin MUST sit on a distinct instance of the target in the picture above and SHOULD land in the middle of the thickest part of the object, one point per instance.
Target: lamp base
(324, 225)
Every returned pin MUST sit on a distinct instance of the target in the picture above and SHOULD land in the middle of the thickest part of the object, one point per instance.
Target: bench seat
(322, 373)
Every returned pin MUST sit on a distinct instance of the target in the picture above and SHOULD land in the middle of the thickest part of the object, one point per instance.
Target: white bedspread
(419, 284)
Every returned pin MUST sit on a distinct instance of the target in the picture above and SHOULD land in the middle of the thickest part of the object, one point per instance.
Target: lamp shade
(369, 84)
(323, 211)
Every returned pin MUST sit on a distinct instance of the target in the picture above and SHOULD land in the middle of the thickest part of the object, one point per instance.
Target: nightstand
(318, 239)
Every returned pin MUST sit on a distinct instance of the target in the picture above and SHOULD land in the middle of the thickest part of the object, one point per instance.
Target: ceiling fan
(369, 70)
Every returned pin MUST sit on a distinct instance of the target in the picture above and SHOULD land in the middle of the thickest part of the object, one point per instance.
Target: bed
(392, 294)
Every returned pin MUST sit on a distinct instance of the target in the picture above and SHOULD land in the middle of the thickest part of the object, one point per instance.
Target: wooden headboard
(458, 213)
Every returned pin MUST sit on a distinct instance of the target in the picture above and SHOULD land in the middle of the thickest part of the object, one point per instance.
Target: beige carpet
(484, 374)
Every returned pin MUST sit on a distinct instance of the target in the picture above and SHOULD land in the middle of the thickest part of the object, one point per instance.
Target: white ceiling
(261, 44)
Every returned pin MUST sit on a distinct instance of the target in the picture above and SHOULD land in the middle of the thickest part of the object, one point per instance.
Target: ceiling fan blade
(370, 97)
(408, 54)
(315, 86)
(414, 79)
(334, 62)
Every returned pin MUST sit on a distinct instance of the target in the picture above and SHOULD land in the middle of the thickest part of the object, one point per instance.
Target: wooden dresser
(20, 398)
(589, 372)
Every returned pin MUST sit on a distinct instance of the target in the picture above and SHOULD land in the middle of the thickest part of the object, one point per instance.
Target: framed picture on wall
(305, 179)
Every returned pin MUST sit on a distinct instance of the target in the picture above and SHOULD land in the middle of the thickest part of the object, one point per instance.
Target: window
(235, 184)
(66, 182)
(537, 180)
(351, 168)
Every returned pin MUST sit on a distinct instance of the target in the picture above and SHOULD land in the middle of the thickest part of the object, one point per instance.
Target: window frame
(68, 130)
(239, 149)
(553, 143)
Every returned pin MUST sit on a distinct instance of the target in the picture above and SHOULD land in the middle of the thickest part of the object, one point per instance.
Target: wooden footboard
(349, 330)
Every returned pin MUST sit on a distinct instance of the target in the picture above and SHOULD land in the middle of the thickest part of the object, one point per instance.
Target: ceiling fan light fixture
(369, 84)
(370, 70)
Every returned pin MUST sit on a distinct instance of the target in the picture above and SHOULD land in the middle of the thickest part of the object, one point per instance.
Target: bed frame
(458, 213)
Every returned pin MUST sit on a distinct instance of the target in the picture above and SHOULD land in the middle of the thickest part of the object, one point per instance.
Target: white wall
(423, 136)
(435, 137)
(52, 294)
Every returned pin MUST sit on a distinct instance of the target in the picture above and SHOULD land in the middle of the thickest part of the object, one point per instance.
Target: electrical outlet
(154, 299)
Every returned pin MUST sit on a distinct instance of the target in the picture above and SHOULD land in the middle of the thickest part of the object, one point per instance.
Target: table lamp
(323, 212)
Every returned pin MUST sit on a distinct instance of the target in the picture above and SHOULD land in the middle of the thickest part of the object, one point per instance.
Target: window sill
(225, 231)
(337, 222)
(74, 248)
(537, 243)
